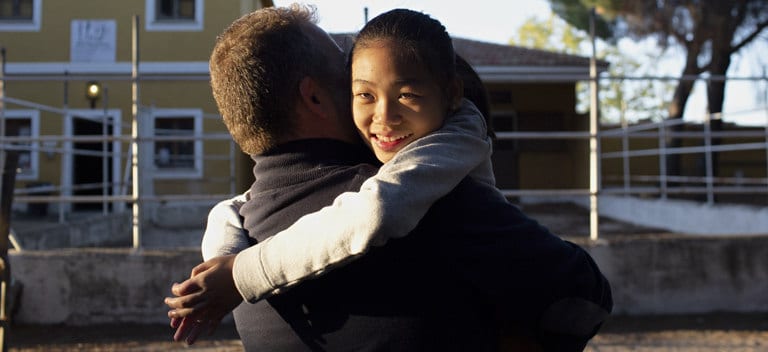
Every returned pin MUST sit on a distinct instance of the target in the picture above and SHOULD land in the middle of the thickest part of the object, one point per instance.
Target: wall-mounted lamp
(92, 92)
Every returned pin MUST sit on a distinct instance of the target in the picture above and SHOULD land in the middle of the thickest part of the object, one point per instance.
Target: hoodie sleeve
(224, 232)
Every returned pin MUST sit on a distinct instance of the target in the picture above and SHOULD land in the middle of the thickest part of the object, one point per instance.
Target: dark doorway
(87, 169)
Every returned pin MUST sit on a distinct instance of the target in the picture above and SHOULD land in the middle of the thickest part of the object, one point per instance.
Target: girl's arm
(388, 205)
(224, 232)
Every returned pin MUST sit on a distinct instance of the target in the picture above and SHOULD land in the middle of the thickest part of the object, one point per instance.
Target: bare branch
(750, 37)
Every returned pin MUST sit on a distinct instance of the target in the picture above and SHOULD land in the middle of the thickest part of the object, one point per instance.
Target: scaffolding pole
(135, 170)
(594, 143)
(5, 218)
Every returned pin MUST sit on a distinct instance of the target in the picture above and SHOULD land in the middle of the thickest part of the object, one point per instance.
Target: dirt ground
(706, 333)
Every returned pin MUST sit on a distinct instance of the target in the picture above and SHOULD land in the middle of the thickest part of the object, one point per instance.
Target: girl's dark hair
(475, 91)
(420, 39)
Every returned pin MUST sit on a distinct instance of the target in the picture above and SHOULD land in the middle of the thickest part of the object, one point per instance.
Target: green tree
(550, 34)
(631, 99)
(709, 32)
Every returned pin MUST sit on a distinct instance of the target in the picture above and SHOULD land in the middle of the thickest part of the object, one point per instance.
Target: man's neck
(311, 126)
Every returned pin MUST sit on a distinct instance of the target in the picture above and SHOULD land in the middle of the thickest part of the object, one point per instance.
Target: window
(171, 10)
(20, 15)
(174, 15)
(24, 123)
(177, 158)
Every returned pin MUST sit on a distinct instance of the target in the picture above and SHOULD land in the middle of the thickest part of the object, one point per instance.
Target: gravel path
(705, 333)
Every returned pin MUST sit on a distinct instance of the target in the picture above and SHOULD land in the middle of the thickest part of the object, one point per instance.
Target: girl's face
(393, 103)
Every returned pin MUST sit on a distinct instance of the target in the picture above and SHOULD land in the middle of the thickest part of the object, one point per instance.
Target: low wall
(683, 274)
(93, 286)
(649, 275)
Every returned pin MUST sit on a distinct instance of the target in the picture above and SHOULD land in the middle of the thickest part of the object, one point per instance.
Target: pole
(2, 110)
(135, 172)
(66, 168)
(663, 159)
(625, 151)
(708, 158)
(766, 124)
(594, 147)
(104, 153)
(6, 194)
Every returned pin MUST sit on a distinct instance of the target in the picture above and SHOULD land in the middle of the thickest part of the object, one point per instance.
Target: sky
(496, 21)
(488, 20)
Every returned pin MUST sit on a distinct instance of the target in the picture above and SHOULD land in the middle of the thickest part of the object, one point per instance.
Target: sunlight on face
(393, 103)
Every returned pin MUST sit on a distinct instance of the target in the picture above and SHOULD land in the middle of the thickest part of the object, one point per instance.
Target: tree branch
(680, 37)
(749, 38)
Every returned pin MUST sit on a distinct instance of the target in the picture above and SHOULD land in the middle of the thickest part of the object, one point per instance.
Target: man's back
(474, 261)
(384, 300)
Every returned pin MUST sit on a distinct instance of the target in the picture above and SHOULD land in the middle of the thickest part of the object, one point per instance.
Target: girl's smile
(391, 142)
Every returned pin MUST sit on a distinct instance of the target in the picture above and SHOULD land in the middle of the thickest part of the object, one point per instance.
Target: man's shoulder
(476, 207)
(365, 170)
(477, 192)
(355, 174)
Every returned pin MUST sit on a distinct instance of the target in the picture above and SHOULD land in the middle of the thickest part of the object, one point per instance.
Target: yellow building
(55, 49)
(533, 91)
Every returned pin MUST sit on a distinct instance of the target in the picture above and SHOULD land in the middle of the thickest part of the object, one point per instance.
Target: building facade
(78, 142)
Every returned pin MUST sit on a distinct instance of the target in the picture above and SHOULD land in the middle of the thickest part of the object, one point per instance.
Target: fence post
(708, 157)
(6, 193)
(594, 142)
(662, 159)
(766, 129)
(66, 150)
(106, 156)
(135, 170)
(766, 145)
(625, 153)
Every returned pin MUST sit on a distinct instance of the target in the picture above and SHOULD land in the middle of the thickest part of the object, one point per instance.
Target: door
(91, 167)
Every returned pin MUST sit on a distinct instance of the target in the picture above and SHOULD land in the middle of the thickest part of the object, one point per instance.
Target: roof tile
(480, 53)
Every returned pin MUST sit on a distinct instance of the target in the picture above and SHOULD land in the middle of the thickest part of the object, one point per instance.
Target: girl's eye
(364, 96)
(409, 96)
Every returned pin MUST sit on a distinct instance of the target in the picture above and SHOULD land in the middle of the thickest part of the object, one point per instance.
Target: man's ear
(310, 92)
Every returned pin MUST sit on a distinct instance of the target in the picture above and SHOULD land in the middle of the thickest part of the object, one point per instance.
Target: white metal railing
(711, 185)
(707, 184)
(709, 180)
(135, 177)
(62, 194)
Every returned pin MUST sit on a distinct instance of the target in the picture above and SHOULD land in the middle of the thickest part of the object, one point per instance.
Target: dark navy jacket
(473, 264)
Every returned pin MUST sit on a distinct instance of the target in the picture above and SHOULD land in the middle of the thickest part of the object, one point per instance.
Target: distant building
(55, 49)
(533, 90)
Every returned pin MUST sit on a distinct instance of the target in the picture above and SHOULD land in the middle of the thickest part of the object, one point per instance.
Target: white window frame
(197, 171)
(25, 26)
(152, 24)
(34, 153)
(115, 117)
